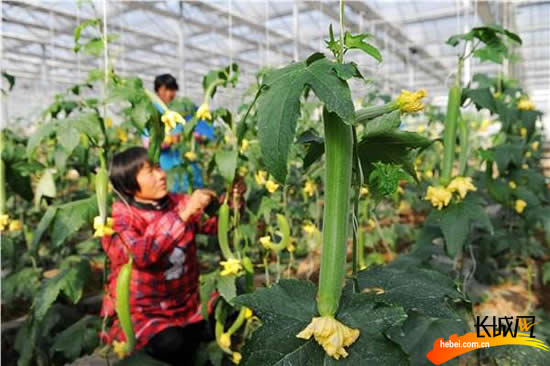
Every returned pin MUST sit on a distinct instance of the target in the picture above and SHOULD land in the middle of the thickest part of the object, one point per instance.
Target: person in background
(166, 88)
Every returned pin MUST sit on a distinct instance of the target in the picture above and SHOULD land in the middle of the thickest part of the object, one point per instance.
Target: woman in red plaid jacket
(159, 229)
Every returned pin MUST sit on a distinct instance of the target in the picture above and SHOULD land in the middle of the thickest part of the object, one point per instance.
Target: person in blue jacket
(166, 88)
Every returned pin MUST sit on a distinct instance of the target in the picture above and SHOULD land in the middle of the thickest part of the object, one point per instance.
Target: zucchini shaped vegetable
(122, 308)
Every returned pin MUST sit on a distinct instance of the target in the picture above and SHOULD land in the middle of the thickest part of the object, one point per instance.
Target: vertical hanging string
(105, 46)
(79, 70)
(231, 48)
(266, 37)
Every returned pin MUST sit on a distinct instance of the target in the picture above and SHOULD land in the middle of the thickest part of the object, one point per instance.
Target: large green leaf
(70, 281)
(70, 217)
(382, 124)
(287, 308)
(43, 226)
(357, 42)
(508, 153)
(69, 138)
(482, 98)
(457, 219)
(279, 104)
(227, 287)
(419, 332)
(43, 131)
(392, 147)
(78, 338)
(227, 163)
(426, 291)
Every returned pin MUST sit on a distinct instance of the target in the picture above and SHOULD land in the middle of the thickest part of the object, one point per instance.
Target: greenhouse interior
(275, 182)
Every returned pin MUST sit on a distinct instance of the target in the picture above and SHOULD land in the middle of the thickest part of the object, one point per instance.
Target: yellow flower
(266, 241)
(248, 313)
(525, 104)
(400, 190)
(271, 186)
(4, 220)
(291, 248)
(167, 139)
(484, 125)
(225, 340)
(439, 196)
(410, 102)
(190, 155)
(243, 170)
(371, 224)
(122, 135)
(404, 206)
(229, 139)
(525, 166)
(421, 129)
(170, 119)
(103, 229)
(461, 185)
(429, 174)
(528, 154)
(310, 188)
(244, 146)
(497, 94)
(261, 176)
(332, 335)
(237, 358)
(15, 225)
(512, 184)
(120, 349)
(231, 266)
(364, 191)
(520, 206)
(204, 112)
(535, 145)
(523, 132)
(309, 228)
(109, 122)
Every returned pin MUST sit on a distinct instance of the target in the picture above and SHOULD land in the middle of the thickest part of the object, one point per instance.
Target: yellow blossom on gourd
(291, 248)
(225, 340)
(204, 112)
(248, 313)
(421, 129)
(371, 224)
(439, 196)
(520, 205)
(15, 225)
(523, 132)
(4, 221)
(497, 94)
(461, 185)
(528, 154)
(271, 186)
(309, 228)
(231, 266)
(428, 174)
(525, 166)
(410, 102)
(404, 206)
(170, 119)
(120, 349)
(103, 229)
(236, 358)
(512, 184)
(525, 104)
(190, 155)
(260, 177)
(331, 334)
(167, 139)
(243, 170)
(363, 191)
(109, 122)
(310, 188)
(122, 135)
(535, 145)
(244, 146)
(266, 241)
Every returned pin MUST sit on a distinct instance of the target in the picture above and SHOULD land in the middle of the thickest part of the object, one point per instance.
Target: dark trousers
(178, 346)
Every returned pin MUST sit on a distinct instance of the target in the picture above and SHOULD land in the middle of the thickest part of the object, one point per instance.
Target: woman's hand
(197, 202)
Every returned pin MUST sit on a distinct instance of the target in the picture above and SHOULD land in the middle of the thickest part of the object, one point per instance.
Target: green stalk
(463, 134)
(449, 136)
(365, 114)
(339, 160)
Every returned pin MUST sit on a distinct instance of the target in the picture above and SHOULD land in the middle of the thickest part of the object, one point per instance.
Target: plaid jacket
(164, 289)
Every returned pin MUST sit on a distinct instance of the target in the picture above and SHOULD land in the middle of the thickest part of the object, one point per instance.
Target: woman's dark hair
(125, 167)
(167, 80)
